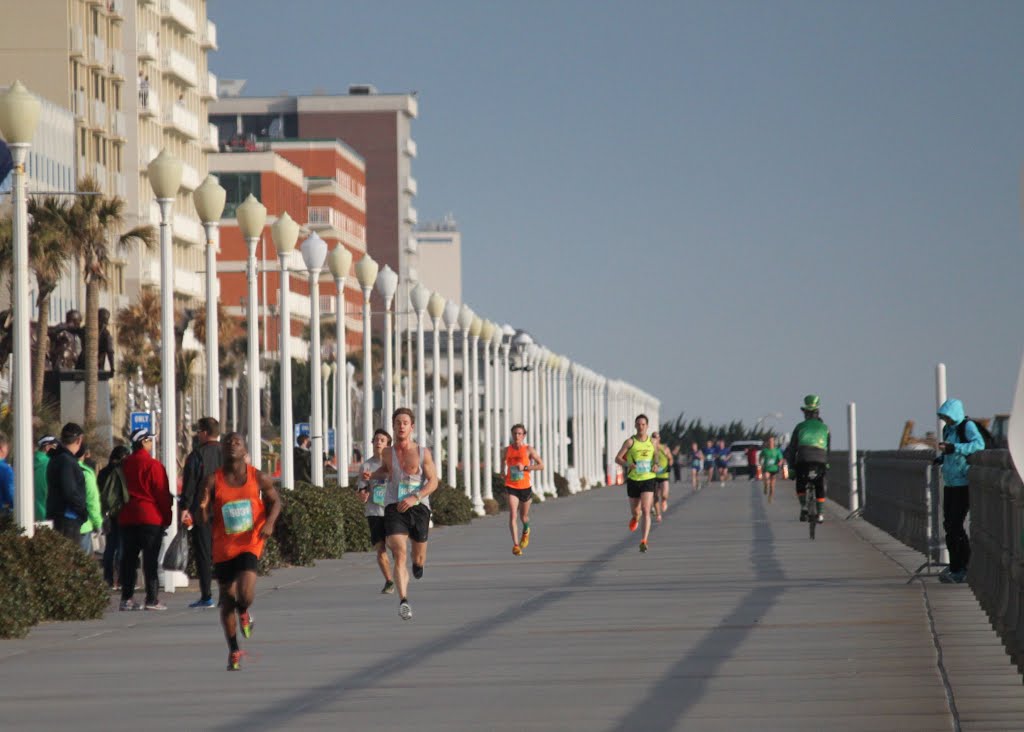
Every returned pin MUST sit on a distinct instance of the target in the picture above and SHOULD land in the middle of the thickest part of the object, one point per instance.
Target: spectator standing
(46, 445)
(94, 517)
(6, 476)
(111, 528)
(960, 438)
(303, 459)
(143, 520)
(65, 484)
(201, 463)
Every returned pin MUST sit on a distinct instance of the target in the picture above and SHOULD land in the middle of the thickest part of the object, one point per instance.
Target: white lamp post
(486, 332)
(19, 116)
(252, 215)
(451, 319)
(366, 273)
(350, 370)
(563, 374)
(285, 233)
(209, 199)
(522, 342)
(508, 332)
(496, 337)
(340, 262)
(534, 406)
(314, 254)
(474, 397)
(435, 308)
(387, 282)
(419, 298)
(465, 323)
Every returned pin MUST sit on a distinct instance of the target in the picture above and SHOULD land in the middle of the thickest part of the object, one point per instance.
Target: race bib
(237, 516)
(379, 493)
(405, 488)
(516, 472)
(643, 466)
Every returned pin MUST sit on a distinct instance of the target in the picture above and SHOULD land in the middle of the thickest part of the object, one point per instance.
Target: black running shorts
(376, 529)
(523, 494)
(414, 523)
(227, 572)
(635, 487)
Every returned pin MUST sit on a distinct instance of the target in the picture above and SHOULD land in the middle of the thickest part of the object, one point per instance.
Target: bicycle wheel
(812, 515)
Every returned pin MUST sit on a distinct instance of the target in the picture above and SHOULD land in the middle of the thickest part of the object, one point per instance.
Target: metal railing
(900, 494)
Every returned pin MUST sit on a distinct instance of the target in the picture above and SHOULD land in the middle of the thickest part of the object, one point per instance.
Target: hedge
(46, 577)
(450, 506)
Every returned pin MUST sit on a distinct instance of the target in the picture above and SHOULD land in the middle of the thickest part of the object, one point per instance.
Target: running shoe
(633, 523)
(516, 550)
(208, 602)
(821, 518)
(657, 517)
(235, 661)
(129, 605)
(803, 514)
(247, 623)
(389, 588)
(643, 547)
(525, 541)
(958, 577)
(155, 606)
(404, 610)
(417, 571)
(946, 576)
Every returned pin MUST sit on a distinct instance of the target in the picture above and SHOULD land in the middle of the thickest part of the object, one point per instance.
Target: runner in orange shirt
(243, 506)
(517, 462)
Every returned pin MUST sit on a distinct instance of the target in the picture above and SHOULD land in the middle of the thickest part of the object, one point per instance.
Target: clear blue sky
(729, 204)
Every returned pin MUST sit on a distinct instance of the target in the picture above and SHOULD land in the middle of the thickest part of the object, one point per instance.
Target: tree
(232, 342)
(138, 335)
(91, 222)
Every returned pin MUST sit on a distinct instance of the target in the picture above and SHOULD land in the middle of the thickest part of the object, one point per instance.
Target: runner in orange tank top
(242, 506)
(517, 462)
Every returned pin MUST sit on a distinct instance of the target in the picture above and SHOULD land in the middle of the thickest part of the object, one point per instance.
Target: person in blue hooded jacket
(960, 438)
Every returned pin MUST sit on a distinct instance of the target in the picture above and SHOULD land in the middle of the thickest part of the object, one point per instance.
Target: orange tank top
(238, 516)
(515, 459)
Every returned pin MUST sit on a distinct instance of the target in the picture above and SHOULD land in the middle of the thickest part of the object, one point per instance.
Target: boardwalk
(733, 621)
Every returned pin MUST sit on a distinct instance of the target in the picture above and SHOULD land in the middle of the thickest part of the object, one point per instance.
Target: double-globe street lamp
(314, 254)
(340, 262)
(435, 308)
(209, 199)
(252, 215)
(451, 319)
(285, 233)
(366, 275)
(419, 298)
(19, 116)
(466, 318)
(387, 283)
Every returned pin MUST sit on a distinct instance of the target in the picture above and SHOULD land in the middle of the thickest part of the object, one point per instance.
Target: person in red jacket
(143, 520)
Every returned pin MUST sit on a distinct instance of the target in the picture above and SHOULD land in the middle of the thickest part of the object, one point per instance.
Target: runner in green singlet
(771, 464)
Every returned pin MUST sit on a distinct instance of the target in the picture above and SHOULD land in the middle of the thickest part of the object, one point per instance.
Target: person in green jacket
(92, 499)
(46, 445)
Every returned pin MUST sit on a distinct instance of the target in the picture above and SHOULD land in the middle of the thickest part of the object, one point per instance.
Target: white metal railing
(209, 88)
(177, 64)
(180, 13)
(328, 216)
(410, 147)
(77, 41)
(99, 113)
(117, 124)
(211, 138)
(188, 229)
(149, 104)
(147, 46)
(117, 62)
(209, 36)
(327, 303)
(99, 50)
(182, 120)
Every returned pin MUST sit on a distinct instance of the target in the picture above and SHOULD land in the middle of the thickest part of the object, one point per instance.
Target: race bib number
(405, 488)
(237, 516)
(379, 492)
(516, 472)
(643, 466)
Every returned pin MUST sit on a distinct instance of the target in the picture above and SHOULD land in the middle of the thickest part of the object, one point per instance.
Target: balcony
(147, 47)
(77, 41)
(146, 155)
(189, 177)
(178, 12)
(208, 89)
(116, 8)
(208, 38)
(98, 50)
(188, 229)
(301, 306)
(410, 147)
(182, 120)
(150, 105)
(325, 216)
(412, 245)
(117, 63)
(211, 138)
(411, 185)
(328, 304)
(411, 215)
(149, 268)
(188, 283)
(99, 172)
(78, 102)
(177, 65)
(99, 114)
(120, 186)
(118, 127)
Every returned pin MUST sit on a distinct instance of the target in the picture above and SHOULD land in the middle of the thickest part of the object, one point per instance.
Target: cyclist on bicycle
(808, 453)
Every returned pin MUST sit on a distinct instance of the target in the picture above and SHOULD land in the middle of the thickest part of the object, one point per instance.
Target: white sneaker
(404, 611)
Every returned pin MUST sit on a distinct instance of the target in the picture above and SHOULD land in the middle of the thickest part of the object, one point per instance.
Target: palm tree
(229, 332)
(91, 223)
(138, 335)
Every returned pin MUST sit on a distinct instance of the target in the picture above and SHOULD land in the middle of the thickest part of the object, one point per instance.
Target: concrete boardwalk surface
(733, 621)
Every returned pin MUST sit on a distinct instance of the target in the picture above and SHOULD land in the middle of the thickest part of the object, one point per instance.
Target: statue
(66, 342)
(106, 341)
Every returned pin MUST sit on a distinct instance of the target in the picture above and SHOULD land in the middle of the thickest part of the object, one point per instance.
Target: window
(238, 186)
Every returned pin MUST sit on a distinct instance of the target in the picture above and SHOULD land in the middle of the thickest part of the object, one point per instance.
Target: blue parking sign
(139, 420)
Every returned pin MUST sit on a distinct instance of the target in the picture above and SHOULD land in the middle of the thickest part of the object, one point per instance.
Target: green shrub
(270, 559)
(357, 531)
(498, 491)
(491, 507)
(311, 525)
(450, 506)
(561, 486)
(19, 607)
(68, 582)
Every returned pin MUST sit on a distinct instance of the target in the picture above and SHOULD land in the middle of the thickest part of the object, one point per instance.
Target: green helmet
(812, 402)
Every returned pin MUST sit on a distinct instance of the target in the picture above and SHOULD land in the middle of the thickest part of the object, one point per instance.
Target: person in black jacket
(303, 459)
(203, 461)
(65, 484)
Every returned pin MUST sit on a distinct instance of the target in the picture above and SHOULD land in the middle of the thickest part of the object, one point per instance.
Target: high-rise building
(439, 249)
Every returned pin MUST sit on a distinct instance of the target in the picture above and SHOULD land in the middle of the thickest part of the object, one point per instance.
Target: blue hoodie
(954, 465)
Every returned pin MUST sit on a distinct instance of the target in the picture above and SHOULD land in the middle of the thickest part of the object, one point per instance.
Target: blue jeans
(112, 551)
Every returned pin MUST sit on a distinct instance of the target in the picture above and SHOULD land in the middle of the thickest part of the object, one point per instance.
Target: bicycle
(811, 476)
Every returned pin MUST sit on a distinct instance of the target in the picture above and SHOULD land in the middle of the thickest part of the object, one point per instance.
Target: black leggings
(803, 480)
(956, 503)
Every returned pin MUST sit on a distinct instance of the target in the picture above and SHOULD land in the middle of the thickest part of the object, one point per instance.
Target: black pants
(112, 551)
(201, 537)
(677, 470)
(804, 481)
(147, 540)
(955, 505)
(71, 528)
